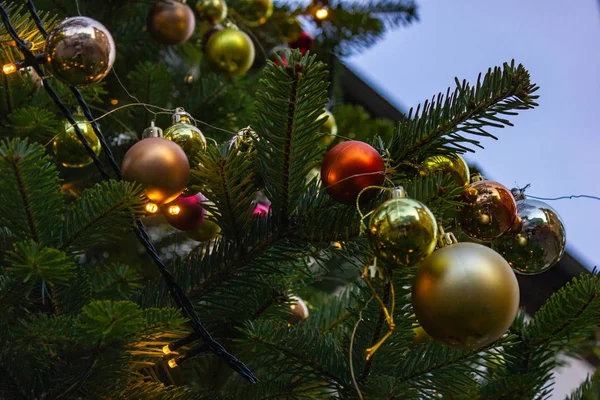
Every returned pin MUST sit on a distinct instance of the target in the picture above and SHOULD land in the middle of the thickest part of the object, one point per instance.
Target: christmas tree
(269, 241)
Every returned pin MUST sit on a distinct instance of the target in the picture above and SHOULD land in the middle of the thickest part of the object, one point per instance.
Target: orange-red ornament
(350, 167)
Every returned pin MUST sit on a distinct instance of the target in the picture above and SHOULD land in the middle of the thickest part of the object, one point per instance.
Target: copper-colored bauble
(538, 240)
(450, 164)
(350, 167)
(490, 210)
(160, 166)
(465, 295)
(402, 232)
(230, 51)
(298, 310)
(80, 51)
(171, 22)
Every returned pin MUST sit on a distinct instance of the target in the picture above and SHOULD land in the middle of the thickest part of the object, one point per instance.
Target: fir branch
(440, 125)
(589, 389)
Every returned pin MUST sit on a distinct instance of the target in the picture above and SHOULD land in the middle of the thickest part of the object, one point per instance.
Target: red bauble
(348, 168)
(186, 213)
(304, 43)
(262, 209)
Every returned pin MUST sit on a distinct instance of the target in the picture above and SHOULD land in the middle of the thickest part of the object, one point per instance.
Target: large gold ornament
(230, 51)
(539, 238)
(465, 295)
(171, 22)
(451, 164)
(214, 11)
(68, 148)
(80, 51)
(185, 134)
(254, 12)
(329, 128)
(160, 166)
(402, 232)
(490, 210)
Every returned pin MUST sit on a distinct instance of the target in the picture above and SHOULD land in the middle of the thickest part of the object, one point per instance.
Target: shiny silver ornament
(538, 239)
(80, 51)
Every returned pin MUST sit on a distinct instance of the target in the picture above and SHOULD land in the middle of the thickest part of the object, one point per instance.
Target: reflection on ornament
(185, 134)
(160, 166)
(254, 12)
(490, 210)
(214, 11)
(465, 295)
(298, 310)
(450, 164)
(80, 51)
(350, 167)
(186, 212)
(329, 128)
(538, 240)
(171, 22)
(402, 232)
(68, 148)
(230, 51)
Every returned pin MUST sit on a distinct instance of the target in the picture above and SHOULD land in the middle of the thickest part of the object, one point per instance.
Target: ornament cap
(152, 131)
(399, 193)
(181, 116)
(477, 178)
(519, 193)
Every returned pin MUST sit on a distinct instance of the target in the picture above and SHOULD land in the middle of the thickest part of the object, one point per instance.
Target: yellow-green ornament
(402, 232)
(185, 134)
(451, 164)
(230, 51)
(254, 12)
(69, 150)
(329, 128)
(214, 11)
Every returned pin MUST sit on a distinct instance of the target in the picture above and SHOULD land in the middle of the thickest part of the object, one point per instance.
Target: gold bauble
(450, 164)
(214, 11)
(208, 230)
(539, 238)
(171, 22)
(329, 128)
(230, 51)
(291, 29)
(160, 166)
(80, 51)
(186, 135)
(465, 295)
(298, 310)
(68, 148)
(402, 232)
(254, 12)
(490, 210)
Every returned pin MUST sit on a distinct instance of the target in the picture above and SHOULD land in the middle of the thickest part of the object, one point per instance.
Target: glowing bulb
(322, 13)
(9, 68)
(188, 79)
(166, 349)
(174, 210)
(151, 208)
(337, 245)
(172, 363)
(114, 102)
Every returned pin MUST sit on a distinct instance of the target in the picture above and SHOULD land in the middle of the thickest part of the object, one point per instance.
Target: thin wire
(77, 5)
(214, 127)
(573, 196)
(352, 348)
(129, 94)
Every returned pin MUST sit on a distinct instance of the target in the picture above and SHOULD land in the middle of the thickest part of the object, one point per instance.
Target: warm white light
(9, 68)
(174, 210)
(322, 13)
(166, 349)
(172, 363)
(151, 208)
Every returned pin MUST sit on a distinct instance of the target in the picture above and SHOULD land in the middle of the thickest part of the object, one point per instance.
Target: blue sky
(555, 147)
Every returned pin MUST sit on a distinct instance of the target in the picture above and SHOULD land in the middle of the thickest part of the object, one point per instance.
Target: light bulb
(322, 13)
(9, 68)
(172, 363)
(174, 210)
(166, 349)
(151, 208)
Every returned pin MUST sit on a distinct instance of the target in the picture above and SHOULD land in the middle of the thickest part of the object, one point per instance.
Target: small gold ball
(214, 11)
(254, 12)
(230, 51)
(188, 137)
(69, 150)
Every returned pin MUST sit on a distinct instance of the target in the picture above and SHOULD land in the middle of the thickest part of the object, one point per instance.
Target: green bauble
(69, 150)
(329, 128)
(214, 11)
(185, 134)
(208, 230)
(230, 51)
(254, 12)
(402, 232)
(451, 164)
(539, 238)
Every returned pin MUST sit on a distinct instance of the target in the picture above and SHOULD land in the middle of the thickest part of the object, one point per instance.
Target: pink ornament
(262, 209)
(186, 213)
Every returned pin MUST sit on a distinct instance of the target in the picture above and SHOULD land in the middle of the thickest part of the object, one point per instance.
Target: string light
(321, 13)
(151, 208)
(9, 68)
(174, 210)
(172, 363)
(166, 349)
(114, 102)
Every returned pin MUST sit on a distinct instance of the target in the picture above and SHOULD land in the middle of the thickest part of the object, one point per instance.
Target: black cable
(176, 292)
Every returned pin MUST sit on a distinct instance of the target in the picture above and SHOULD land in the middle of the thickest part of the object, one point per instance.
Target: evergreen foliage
(86, 314)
